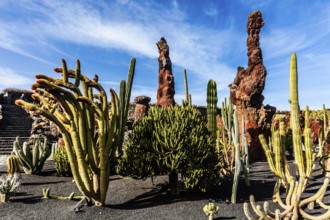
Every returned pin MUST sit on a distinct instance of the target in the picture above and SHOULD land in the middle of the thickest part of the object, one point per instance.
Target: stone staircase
(16, 122)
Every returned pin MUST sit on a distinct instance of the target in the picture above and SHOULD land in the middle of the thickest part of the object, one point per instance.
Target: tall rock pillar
(246, 91)
(165, 92)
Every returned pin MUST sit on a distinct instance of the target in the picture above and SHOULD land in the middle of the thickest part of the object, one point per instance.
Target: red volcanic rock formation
(246, 91)
(165, 92)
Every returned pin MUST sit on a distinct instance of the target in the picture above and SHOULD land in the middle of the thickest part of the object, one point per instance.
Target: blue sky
(208, 38)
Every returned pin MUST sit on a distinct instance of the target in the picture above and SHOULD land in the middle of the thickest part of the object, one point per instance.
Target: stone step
(6, 144)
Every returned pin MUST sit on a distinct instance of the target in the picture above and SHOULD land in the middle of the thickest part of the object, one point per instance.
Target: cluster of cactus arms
(294, 204)
(212, 100)
(91, 134)
(211, 210)
(224, 137)
(232, 156)
(241, 156)
(186, 102)
(154, 149)
(31, 160)
(12, 165)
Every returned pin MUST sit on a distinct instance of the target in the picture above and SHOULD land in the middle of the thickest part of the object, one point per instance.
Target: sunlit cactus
(91, 134)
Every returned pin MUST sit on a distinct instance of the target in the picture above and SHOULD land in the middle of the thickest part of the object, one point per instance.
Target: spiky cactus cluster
(91, 135)
(32, 160)
(294, 204)
(171, 141)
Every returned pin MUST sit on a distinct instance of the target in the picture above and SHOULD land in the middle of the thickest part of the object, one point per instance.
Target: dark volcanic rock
(246, 91)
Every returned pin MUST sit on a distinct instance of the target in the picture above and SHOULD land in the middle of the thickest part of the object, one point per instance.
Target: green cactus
(227, 112)
(294, 204)
(13, 165)
(62, 164)
(186, 102)
(211, 210)
(153, 148)
(91, 135)
(241, 156)
(212, 101)
(32, 159)
(124, 98)
(54, 148)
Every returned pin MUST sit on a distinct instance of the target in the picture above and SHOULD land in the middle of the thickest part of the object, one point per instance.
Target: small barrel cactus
(33, 160)
(12, 165)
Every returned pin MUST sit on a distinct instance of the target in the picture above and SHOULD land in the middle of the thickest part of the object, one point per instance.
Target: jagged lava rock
(246, 91)
(165, 91)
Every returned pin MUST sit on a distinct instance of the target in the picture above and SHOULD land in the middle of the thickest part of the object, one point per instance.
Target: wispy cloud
(212, 12)
(133, 27)
(11, 79)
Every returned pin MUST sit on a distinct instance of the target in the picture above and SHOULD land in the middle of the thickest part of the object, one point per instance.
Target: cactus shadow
(42, 183)
(27, 199)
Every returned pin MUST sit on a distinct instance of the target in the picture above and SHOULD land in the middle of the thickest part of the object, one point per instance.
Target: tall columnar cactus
(227, 112)
(124, 98)
(241, 156)
(186, 102)
(212, 100)
(294, 204)
(12, 165)
(32, 160)
(81, 111)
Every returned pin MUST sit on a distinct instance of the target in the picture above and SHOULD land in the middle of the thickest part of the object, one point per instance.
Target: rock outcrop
(165, 92)
(246, 91)
(141, 106)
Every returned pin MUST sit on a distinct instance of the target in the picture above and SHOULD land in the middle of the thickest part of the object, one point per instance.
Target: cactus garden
(79, 144)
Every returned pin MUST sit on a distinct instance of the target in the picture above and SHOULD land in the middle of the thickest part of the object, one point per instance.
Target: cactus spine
(32, 160)
(212, 101)
(91, 135)
(12, 165)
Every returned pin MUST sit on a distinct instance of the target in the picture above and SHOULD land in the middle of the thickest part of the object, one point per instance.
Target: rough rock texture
(141, 106)
(42, 127)
(246, 91)
(165, 92)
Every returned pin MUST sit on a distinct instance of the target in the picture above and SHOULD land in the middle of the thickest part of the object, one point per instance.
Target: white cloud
(10, 79)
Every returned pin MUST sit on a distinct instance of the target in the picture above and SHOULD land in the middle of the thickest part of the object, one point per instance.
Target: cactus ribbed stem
(91, 135)
(212, 101)
(295, 125)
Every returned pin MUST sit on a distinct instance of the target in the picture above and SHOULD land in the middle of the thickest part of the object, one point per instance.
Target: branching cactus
(91, 135)
(212, 100)
(32, 160)
(293, 206)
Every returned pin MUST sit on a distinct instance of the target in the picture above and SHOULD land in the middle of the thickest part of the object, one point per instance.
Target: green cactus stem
(32, 160)
(13, 165)
(211, 210)
(72, 196)
(212, 101)
(293, 205)
(91, 135)
(186, 102)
